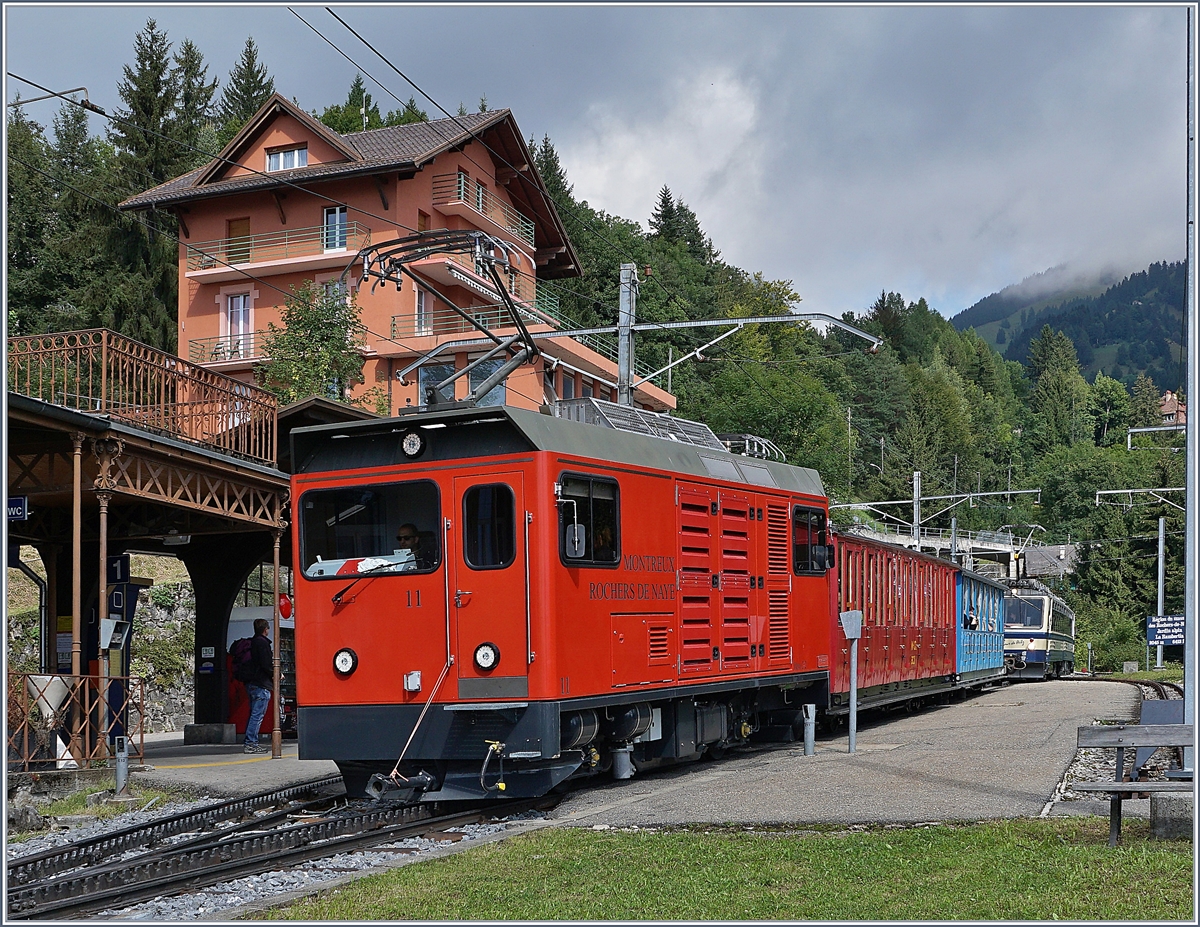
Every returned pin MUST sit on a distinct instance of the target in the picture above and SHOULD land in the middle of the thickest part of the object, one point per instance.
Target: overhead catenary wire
(499, 157)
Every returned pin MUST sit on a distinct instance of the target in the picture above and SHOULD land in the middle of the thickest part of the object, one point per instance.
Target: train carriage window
(810, 542)
(1023, 613)
(489, 527)
(380, 528)
(589, 511)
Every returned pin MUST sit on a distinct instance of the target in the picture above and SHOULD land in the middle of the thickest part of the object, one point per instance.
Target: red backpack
(240, 650)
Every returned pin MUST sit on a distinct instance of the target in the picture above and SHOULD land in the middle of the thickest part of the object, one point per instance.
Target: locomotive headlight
(487, 655)
(413, 443)
(345, 662)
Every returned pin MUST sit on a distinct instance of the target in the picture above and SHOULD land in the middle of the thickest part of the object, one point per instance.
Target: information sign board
(1165, 629)
(18, 508)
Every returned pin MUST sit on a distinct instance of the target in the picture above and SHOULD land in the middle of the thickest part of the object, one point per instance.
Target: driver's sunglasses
(406, 537)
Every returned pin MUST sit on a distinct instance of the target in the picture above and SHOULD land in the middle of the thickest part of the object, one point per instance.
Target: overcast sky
(938, 152)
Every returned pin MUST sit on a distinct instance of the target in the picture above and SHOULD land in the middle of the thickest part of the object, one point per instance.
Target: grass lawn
(1006, 870)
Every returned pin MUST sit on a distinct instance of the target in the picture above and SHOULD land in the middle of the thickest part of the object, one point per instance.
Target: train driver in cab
(409, 538)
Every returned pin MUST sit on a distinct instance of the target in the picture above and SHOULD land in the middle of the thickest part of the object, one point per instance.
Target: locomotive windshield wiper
(337, 596)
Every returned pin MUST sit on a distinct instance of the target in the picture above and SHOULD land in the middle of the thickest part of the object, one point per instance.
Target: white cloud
(704, 142)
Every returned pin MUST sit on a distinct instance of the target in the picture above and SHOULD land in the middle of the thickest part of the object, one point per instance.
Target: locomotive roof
(492, 431)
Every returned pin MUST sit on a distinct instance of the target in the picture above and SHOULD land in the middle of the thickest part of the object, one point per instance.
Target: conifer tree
(1145, 408)
(408, 114)
(483, 104)
(247, 89)
(545, 159)
(194, 110)
(663, 221)
(29, 218)
(349, 116)
(146, 131)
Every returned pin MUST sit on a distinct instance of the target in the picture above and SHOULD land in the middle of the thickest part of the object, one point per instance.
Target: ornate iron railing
(102, 372)
(59, 722)
(277, 246)
(459, 188)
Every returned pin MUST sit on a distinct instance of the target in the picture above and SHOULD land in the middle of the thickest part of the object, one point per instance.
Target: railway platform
(998, 754)
(222, 770)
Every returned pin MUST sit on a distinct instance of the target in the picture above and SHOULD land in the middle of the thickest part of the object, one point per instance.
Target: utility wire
(495, 154)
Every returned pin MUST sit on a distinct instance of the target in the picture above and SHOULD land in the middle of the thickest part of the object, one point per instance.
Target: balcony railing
(56, 722)
(226, 347)
(277, 246)
(102, 372)
(459, 188)
(444, 321)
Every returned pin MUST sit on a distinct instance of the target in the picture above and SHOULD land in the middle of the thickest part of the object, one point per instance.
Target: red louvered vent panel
(660, 644)
(777, 626)
(777, 540)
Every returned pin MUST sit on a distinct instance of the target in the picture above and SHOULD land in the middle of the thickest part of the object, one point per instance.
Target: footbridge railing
(103, 372)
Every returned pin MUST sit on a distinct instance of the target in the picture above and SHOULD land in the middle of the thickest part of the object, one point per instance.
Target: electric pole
(625, 319)
(917, 508)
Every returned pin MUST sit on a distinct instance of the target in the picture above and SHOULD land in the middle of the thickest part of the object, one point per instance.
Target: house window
(238, 342)
(237, 248)
(587, 390)
(287, 158)
(431, 375)
(424, 322)
(496, 395)
(422, 221)
(568, 390)
(335, 228)
(480, 196)
(548, 380)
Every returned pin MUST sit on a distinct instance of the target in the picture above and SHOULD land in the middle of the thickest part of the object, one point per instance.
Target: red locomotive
(497, 600)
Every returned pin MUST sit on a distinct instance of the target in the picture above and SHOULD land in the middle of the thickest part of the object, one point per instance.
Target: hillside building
(1174, 412)
(289, 200)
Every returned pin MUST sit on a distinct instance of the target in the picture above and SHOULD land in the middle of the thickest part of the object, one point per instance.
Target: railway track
(1160, 689)
(117, 873)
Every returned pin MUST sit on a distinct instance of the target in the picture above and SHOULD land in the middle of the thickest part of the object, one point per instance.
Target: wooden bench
(1129, 736)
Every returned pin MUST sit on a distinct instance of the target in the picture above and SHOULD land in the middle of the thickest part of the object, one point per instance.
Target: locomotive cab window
(812, 552)
(489, 527)
(588, 524)
(382, 528)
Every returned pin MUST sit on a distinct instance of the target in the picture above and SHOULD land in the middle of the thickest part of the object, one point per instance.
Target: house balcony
(224, 348)
(445, 321)
(291, 250)
(459, 195)
(457, 269)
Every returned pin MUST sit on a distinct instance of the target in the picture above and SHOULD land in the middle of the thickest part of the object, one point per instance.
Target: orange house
(290, 200)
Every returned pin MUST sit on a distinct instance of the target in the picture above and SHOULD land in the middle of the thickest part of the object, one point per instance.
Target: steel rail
(249, 854)
(35, 866)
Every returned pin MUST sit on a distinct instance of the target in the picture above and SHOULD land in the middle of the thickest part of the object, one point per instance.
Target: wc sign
(18, 508)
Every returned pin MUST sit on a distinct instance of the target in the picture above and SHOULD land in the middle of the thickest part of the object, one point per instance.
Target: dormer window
(287, 158)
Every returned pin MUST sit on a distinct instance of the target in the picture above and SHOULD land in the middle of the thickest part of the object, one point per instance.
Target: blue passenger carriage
(980, 636)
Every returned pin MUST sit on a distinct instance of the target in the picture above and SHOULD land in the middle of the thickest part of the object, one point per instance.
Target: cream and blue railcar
(1039, 632)
(980, 635)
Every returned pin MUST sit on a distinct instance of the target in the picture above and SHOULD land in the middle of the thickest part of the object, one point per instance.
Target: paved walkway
(999, 754)
(995, 755)
(223, 771)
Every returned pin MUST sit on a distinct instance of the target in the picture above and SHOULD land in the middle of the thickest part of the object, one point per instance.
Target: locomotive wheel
(715, 751)
(830, 724)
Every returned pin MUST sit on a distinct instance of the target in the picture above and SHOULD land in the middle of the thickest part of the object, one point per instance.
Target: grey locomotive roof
(540, 432)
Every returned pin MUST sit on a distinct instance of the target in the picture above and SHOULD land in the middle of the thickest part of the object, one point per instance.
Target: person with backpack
(258, 673)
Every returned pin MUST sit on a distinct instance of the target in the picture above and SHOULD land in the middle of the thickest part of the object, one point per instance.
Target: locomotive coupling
(380, 785)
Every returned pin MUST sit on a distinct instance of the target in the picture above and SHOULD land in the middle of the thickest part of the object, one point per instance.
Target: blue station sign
(18, 508)
(1165, 629)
